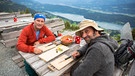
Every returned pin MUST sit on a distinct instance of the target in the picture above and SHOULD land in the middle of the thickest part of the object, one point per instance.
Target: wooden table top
(41, 67)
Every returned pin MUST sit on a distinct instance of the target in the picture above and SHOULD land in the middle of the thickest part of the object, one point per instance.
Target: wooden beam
(14, 28)
(54, 24)
(10, 42)
(11, 24)
(10, 35)
(17, 58)
(58, 28)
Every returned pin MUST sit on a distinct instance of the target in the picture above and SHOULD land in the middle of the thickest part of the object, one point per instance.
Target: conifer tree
(27, 11)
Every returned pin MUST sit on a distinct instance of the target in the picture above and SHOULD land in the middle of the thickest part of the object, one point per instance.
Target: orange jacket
(27, 38)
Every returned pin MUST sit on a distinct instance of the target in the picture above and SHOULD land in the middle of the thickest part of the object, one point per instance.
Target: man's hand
(37, 51)
(36, 43)
(75, 54)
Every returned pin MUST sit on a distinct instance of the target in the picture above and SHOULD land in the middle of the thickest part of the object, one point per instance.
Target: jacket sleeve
(83, 49)
(49, 36)
(21, 44)
(91, 63)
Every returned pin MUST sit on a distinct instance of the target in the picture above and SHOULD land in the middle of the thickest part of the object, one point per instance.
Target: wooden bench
(9, 35)
(55, 24)
(8, 16)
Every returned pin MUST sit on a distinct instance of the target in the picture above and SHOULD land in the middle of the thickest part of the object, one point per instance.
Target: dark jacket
(98, 58)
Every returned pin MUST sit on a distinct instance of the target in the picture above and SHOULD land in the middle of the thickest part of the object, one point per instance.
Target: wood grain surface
(46, 47)
(60, 62)
(50, 54)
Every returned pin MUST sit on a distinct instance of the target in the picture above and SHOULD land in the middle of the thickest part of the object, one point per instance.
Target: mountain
(116, 6)
(80, 2)
(111, 17)
(9, 6)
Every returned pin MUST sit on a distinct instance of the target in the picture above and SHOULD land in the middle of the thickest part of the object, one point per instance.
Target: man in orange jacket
(33, 34)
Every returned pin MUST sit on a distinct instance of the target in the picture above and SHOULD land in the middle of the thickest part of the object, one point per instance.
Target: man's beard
(88, 40)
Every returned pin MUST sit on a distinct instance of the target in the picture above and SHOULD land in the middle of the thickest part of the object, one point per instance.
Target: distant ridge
(117, 18)
(9, 6)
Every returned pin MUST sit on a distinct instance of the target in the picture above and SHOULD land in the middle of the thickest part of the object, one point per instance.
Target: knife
(65, 59)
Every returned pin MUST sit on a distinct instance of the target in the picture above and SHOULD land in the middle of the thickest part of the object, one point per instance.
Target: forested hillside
(87, 13)
(9, 6)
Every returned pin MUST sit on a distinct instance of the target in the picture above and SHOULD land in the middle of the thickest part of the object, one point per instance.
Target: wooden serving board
(46, 47)
(50, 54)
(59, 63)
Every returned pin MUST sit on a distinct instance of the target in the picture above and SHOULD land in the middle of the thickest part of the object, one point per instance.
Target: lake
(75, 17)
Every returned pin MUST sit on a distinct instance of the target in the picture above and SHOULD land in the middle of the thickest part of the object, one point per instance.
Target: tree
(22, 12)
(67, 25)
(116, 37)
(27, 11)
(133, 33)
(74, 26)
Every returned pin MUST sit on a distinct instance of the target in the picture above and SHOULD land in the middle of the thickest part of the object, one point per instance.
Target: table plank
(33, 59)
(41, 67)
(37, 64)
(60, 72)
(43, 70)
(26, 55)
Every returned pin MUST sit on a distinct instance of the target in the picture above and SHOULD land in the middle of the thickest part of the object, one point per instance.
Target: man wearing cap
(34, 34)
(97, 54)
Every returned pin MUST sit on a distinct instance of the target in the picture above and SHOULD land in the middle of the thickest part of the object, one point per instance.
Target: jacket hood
(104, 38)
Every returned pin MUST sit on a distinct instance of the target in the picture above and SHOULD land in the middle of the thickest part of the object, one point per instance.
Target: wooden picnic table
(41, 67)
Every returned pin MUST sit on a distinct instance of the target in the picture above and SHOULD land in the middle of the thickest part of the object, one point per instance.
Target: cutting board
(46, 47)
(59, 63)
(50, 54)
